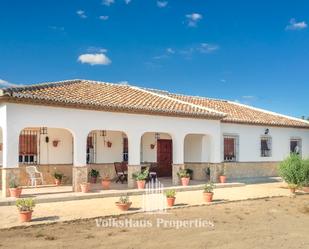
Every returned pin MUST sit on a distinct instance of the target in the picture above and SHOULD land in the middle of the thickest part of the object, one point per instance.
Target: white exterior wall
(197, 148)
(148, 154)
(81, 122)
(63, 153)
(104, 154)
(249, 141)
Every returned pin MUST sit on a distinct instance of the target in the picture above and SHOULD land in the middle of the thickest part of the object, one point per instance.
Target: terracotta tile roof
(108, 97)
(243, 114)
(130, 99)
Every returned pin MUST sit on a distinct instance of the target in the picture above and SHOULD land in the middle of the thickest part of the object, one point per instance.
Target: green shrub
(170, 193)
(294, 170)
(209, 187)
(58, 176)
(25, 204)
(141, 176)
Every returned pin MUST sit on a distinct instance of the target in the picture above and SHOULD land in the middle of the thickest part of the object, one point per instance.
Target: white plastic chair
(34, 175)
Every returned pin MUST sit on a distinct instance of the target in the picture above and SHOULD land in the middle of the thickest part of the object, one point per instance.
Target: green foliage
(183, 173)
(209, 187)
(294, 170)
(141, 176)
(25, 204)
(124, 199)
(13, 184)
(94, 173)
(170, 193)
(58, 176)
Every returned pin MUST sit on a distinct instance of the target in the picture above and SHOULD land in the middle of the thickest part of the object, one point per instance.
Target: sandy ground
(280, 222)
(71, 210)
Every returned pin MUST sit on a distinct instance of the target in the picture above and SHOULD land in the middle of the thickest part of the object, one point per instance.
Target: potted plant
(184, 176)
(208, 192)
(85, 187)
(190, 172)
(106, 182)
(170, 197)
(58, 178)
(292, 170)
(109, 144)
(141, 178)
(222, 176)
(124, 203)
(15, 190)
(94, 174)
(25, 207)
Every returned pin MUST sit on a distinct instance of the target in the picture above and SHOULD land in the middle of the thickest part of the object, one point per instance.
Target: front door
(164, 158)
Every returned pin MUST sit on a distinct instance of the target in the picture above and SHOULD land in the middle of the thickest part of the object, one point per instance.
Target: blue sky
(255, 52)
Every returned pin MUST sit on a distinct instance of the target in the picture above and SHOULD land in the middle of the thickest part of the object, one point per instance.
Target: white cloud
(96, 50)
(127, 1)
(294, 25)
(104, 18)
(193, 19)
(207, 48)
(4, 83)
(56, 28)
(81, 14)
(170, 51)
(94, 59)
(108, 2)
(162, 4)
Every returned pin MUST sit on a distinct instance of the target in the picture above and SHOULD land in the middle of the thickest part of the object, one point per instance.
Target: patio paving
(51, 193)
(100, 207)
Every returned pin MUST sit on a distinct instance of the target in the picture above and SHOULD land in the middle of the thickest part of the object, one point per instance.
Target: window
(91, 144)
(295, 146)
(266, 146)
(230, 148)
(125, 154)
(28, 147)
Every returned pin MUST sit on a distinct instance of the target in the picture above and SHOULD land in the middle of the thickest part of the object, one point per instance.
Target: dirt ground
(281, 222)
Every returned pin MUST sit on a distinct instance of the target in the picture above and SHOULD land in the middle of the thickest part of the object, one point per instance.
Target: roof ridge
(199, 97)
(269, 112)
(42, 85)
(180, 101)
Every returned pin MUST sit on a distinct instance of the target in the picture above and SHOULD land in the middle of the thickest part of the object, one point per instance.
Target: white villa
(75, 125)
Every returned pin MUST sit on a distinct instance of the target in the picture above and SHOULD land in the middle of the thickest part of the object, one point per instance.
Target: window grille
(296, 146)
(91, 147)
(231, 148)
(266, 146)
(29, 147)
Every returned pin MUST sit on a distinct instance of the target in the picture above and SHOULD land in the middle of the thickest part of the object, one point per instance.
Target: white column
(80, 147)
(10, 148)
(10, 169)
(134, 142)
(178, 148)
(80, 170)
(216, 148)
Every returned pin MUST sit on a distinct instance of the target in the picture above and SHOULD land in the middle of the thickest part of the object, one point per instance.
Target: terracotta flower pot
(124, 206)
(141, 184)
(208, 196)
(185, 181)
(306, 189)
(57, 182)
(222, 179)
(85, 187)
(106, 183)
(170, 201)
(293, 190)
(25, 216)
(15, 192)
(93, 179)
